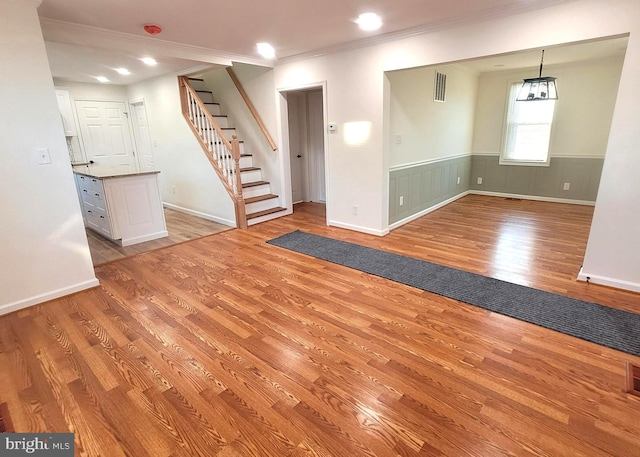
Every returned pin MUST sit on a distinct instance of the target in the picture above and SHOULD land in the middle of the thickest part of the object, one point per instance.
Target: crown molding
(83, 35)
(492, 13)
(33, 3)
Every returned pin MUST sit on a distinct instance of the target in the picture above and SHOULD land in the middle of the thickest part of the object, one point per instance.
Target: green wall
(582, 175)
(427, 185)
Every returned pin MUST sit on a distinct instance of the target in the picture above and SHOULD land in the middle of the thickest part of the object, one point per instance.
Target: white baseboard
(611, 282)
(206, 216)
(358, 228)
(142, 239)
(533, 197)
(51, 295)
(413, 217)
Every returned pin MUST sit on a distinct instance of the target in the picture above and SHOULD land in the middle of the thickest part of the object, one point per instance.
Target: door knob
(298, 156)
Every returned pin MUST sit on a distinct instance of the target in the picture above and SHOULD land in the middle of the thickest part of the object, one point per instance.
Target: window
(528, 130)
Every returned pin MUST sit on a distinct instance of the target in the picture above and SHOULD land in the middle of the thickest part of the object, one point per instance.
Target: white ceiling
(88, 38)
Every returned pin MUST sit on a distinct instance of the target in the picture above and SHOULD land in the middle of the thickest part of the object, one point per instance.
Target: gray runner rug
(599, 324)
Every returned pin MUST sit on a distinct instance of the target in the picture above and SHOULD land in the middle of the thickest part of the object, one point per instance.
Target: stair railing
(224, 155)
(252, 109)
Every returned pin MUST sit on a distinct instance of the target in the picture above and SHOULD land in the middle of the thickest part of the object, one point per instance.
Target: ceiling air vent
(440, 88)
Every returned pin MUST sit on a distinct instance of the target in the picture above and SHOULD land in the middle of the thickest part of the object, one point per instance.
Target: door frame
(283, 130)
(137, 137)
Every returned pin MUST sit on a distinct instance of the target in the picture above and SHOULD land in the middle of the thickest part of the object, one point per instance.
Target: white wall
(613, 250)
(356, 170)
(587, 94)
(356, 92)
(258, 84)
(43, 246)
(187, 180)
(431, 130)
(86, 91)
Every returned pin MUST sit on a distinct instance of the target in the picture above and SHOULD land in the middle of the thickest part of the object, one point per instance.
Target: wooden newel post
(182, 83)
(241, 216)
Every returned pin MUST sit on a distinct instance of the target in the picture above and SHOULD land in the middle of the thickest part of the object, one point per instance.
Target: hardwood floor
(228, 346)
(181, 227)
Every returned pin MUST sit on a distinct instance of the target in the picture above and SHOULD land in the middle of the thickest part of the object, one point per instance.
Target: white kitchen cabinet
(66, 111)
(123, 206)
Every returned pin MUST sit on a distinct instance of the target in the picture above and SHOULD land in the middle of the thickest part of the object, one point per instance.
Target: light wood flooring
(181, 227)
(228, 346)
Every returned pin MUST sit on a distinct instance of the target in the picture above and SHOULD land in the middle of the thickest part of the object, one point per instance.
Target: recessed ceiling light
(123, 71)
(149, 60)
(102, 79)
(266, 50)
(369, 21)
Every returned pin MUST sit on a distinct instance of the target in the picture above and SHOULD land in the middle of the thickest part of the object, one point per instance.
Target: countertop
(108, 171)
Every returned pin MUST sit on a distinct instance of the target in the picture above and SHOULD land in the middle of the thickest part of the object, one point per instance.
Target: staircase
(251, 194)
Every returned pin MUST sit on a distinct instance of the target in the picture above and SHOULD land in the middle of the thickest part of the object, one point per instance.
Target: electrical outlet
(398, 139)
(354, 210)
(401, 200)
(479, 180)
(173, 189)
(43, 156)
(566, 186)
(458, 180)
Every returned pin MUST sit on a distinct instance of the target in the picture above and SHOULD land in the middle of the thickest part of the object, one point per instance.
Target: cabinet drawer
(84, 182)
(89, 183)
(96, 185)
(99, 200)
(104, 225)
(86, 195)
(91, 217)
(104, 222)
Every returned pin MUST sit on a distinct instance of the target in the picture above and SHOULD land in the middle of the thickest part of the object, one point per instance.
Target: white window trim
(505, 132)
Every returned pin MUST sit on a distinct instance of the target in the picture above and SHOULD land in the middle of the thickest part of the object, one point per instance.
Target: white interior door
(106, 134)
(142, 135)
(296, 147)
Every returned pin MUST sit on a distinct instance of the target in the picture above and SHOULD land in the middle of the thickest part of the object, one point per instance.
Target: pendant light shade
(540, 88)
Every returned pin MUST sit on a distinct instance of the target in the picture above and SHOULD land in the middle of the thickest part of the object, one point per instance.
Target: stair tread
(226, 156)
(259, 198)
(265, 212)
(207, 127)
(249, 169)
(254, 183)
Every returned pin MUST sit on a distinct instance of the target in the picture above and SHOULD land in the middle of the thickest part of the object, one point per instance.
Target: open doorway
(306, 135)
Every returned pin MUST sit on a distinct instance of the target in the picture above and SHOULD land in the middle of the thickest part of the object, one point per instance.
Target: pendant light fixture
(540, 88)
